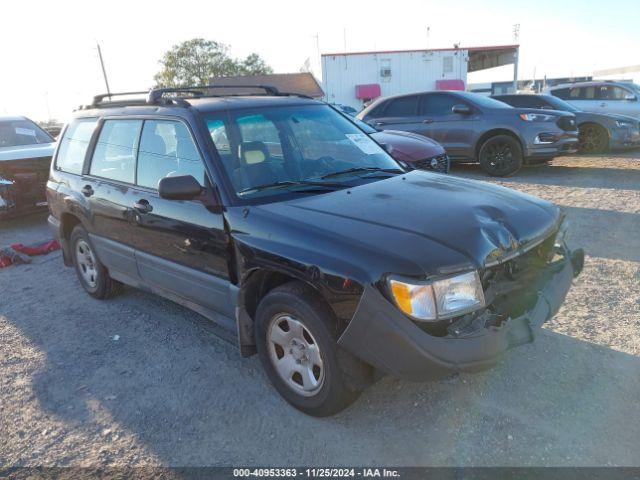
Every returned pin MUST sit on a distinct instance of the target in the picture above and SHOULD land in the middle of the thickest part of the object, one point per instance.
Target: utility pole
(428, 31)
(104, 72)
(516, 39)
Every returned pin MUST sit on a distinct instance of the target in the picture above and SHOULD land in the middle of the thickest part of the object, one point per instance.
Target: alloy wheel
(295, 355)
(86, 263)
(591, 139)
(499, 156)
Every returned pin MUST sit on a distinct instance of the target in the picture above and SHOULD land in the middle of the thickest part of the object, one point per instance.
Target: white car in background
(601, 97)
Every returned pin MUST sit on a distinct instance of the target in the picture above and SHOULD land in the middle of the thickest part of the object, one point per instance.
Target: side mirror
(461, 109)
(630, 97)
(184, 187)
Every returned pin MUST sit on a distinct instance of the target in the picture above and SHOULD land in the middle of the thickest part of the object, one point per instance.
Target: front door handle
(142, 206)
(603, 104)
(87, 191)
(427, 120)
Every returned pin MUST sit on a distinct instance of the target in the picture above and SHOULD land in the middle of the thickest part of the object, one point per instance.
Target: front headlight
(438, 299)
(623, 124)
(537, 117)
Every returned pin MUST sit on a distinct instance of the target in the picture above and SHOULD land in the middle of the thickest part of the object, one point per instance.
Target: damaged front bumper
(382, 336)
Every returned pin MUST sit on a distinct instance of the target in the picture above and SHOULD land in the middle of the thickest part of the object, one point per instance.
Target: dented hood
(419, 221)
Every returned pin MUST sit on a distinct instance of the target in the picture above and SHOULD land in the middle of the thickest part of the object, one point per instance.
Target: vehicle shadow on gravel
(192, 400)
(605, 233)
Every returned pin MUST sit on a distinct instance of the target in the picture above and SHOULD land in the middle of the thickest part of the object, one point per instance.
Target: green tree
(253, 65)
(195, 61)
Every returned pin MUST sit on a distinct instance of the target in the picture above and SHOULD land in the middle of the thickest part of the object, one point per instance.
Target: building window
(447, 65)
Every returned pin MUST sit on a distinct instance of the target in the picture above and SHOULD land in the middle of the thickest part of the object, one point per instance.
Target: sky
(49, 63)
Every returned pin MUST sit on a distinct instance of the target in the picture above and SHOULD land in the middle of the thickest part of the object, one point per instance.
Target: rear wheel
(592, 138)
(500, 156)
(296, 337)
(93, 276)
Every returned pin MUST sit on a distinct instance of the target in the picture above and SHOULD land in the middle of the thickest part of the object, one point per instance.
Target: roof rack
(156, 96)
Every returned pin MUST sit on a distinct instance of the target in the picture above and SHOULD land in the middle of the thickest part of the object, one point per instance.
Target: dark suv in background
(597, 131)
(474, 128)
(279, 219)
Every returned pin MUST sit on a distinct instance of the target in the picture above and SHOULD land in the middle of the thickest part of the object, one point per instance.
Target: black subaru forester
(279, 219)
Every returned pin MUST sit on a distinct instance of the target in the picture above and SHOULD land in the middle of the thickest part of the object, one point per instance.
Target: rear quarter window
(74, 144)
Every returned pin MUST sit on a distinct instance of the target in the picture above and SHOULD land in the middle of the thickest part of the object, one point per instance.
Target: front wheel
(592, 138)
(501, 156)
(296, 337)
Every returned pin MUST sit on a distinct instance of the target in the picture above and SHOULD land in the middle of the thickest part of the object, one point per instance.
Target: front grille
(568, 124)
(439, 163)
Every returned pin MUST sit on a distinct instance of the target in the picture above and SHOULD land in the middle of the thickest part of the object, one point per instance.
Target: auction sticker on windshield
(364, 143)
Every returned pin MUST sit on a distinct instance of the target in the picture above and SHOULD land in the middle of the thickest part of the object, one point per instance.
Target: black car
(304, 239)
(474, 128)
(25, 160)
(598, 131)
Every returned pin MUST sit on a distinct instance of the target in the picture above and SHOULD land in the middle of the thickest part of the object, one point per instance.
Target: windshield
(309, 148)
(14, 133)
(559, 104)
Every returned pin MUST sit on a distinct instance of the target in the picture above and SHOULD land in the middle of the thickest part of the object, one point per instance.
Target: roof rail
(97, 100)
(156, 94)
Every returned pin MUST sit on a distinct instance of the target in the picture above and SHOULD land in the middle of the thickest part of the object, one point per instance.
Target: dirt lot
(139, 380)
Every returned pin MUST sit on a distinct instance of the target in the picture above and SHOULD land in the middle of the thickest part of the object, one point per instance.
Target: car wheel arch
(257, 283)
(254, 286)
(495, 132)
(596, 124)
(68, 221)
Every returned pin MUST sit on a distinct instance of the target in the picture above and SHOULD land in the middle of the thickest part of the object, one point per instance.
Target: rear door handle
(87, 191)
(603, 104)
(142, 206)
(427, 120)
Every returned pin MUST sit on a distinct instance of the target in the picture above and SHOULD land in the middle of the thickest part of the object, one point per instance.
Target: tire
(320, 380)
(501, 156)
(93, 276)
(592, 138)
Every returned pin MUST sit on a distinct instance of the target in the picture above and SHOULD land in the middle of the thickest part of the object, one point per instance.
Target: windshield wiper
(362, 169)
(291, 183)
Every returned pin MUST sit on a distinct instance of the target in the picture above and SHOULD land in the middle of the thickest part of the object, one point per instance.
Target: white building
(355, 78)
(630, 73)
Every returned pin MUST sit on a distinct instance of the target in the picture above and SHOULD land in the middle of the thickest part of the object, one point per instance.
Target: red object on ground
(16, 252)
(41, 249)
(368, 91)
(450, 85)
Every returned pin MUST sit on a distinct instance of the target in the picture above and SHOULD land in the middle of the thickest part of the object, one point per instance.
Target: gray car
(474, 128)
(598, 131)
(622, 98)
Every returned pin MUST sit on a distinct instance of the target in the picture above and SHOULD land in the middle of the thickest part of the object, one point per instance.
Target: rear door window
(115, 154)
(74, 144)
(167, 149)
(402, 107)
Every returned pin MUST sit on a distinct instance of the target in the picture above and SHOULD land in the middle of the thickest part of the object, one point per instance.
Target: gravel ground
(141, 381)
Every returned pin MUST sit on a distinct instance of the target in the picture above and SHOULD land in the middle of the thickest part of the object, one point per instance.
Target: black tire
(592, 138)
(103, 286)
(501, 156)
(343, 375)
